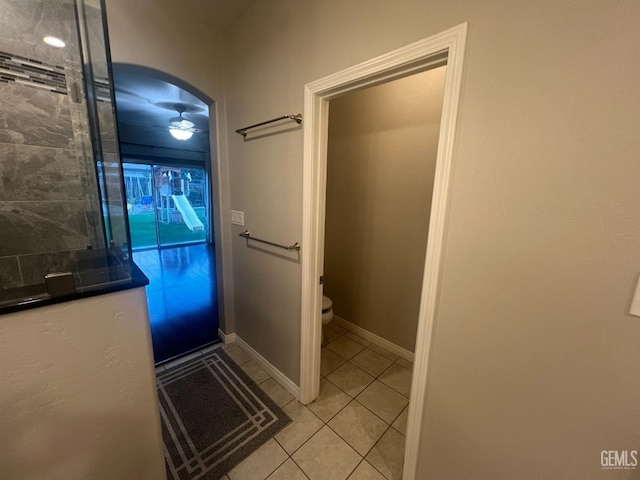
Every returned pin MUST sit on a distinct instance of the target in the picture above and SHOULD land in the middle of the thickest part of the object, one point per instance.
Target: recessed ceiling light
(54, 41)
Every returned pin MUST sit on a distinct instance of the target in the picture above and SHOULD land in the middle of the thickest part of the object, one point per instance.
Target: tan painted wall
(535, 361)
(382, 149)
(78, 397)
(165, 36)
(179, 41)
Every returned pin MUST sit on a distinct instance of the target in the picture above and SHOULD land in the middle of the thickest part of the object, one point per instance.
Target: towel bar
(296, 118)
(246, 234)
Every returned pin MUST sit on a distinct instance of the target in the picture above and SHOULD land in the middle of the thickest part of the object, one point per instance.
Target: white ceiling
(213, 14)
(145, 107)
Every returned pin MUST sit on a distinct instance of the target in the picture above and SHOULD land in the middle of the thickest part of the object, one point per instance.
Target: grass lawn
(143, 230)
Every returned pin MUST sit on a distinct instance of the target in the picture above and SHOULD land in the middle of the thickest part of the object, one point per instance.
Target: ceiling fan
(179, 127)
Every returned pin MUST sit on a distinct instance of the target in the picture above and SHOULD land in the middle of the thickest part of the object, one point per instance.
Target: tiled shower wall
(49, 205)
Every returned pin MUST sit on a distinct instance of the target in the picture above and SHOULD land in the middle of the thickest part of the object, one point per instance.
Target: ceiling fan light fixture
(182, 123)
(180, 133)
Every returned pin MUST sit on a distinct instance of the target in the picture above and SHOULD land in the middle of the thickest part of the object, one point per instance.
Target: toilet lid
(326, 303)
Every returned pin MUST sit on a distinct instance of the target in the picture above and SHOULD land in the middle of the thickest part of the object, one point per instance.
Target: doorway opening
(165, 146)
(444, 48)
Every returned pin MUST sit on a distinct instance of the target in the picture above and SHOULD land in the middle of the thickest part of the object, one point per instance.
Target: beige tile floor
(356, 428)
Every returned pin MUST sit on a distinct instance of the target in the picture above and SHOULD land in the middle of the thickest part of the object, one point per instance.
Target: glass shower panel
(61, 193)
(138, 180)
(101, 110)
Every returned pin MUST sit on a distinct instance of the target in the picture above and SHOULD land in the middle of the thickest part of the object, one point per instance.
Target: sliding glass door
(138, 181)
(180, 206)
(167, 204)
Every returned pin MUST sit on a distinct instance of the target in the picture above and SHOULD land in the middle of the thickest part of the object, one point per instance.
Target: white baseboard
(277, 375)
(373, 338)
(227, 339)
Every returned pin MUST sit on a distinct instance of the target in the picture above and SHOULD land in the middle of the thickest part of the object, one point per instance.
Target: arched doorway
(163, 130)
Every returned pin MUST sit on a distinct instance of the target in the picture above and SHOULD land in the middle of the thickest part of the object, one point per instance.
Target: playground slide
(188, 214)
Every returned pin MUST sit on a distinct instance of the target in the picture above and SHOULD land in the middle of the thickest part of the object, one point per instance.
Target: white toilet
(327, 315)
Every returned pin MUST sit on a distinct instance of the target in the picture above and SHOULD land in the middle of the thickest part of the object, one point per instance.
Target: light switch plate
(237, 217)
(635, 301)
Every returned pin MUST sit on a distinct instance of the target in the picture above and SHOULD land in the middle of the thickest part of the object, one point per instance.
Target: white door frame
(448, 47)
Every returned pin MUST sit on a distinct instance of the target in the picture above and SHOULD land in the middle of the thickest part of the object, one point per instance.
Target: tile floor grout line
(378, 377)
(374, 445)
(305, 442)
(359, 463)
(356, 399)
(347, 442)
(283, 462)
(299, 467)
(388, 425)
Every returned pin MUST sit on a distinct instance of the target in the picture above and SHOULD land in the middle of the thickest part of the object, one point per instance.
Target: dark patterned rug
(213, 416)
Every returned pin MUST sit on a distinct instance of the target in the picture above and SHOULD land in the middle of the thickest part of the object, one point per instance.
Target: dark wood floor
(183, 302)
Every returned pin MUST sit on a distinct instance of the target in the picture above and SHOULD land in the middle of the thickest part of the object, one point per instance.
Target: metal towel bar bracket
(246, 234)
(296, 118)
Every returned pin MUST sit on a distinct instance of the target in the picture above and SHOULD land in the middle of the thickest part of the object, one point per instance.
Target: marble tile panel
(29, 173)
(106, 119)
(35, 267)
(39, 227)
(79, 115)
(10, 273)
(387, 456)
(86, 163)
(95, 232)
(30, 116)
(23, 24)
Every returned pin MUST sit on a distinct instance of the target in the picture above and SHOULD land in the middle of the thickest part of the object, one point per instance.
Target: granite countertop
(34, 296)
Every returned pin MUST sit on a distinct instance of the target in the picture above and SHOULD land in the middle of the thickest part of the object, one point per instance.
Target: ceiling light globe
(180, 134)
